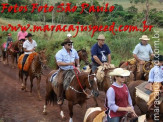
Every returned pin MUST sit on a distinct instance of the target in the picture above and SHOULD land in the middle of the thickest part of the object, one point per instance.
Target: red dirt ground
(20, 106)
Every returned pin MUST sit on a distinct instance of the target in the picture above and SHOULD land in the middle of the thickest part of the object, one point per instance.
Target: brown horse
(97, 114)
(34, 71)
(75, 94)
(142, 104)
(104, 81)
(83, 56)
(14, 48)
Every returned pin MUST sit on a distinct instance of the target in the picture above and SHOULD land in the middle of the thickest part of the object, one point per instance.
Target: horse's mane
(83, 50)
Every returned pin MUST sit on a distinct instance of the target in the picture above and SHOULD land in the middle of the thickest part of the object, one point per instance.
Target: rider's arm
(109, 59)
(135, 56)
(97, 60)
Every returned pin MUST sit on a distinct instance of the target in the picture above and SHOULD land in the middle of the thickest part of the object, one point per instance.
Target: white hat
(144, 37)
(101, 36)
(69, 35)
(119, 72)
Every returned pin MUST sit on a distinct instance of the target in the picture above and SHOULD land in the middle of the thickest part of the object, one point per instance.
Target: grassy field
(121, 44)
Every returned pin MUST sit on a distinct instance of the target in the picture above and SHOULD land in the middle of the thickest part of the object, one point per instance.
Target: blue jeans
(114, 119)
(94, 67)
(24, 60)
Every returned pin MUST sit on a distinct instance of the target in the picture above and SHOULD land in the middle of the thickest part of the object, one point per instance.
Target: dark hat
(66, 41)
(29, 35)
(158, 58)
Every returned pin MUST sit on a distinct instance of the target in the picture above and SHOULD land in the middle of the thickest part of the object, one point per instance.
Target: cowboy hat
(119, 72)
(9, 34)
(29, 35)
(144, 37)
(101, 36)
(158, 58)
(66, 41)
(69, 35)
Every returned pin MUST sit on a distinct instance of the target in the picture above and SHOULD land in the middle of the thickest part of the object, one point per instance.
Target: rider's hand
(131, 110)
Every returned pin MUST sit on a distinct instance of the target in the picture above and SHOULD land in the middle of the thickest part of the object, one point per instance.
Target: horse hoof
(22, 88)
(64, 118)
(40, 99)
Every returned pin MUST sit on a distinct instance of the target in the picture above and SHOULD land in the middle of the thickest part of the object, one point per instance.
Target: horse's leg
(38, 87)
(7, 57)
(31, 80)
(4, 57)
(70, 106)
(21, 77)
(26, 83)
(61, 112)
(12, 56)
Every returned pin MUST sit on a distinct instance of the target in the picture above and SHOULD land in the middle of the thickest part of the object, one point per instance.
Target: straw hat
(119, 72)
(144, 37)
(101, 36)
(69, 35)
(66, 41)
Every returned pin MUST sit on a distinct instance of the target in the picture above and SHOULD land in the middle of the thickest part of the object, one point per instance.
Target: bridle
(83, 90)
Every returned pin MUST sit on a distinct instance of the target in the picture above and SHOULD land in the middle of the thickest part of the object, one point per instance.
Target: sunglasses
(69, 44)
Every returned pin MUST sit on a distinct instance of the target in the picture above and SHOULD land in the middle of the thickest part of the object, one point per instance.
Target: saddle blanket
(52, 78)
(144, 93)
(27, 62)
(68, 76)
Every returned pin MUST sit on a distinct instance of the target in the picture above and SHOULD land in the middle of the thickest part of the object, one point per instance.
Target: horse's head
(92, 84)
(43, 58)
(20, 46)
(83, 55)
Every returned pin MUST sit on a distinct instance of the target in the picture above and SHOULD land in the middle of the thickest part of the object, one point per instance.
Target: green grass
(121, 44)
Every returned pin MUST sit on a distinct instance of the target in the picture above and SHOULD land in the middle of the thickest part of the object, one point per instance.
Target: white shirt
(156, 74)
(29, 46)
(143, 52)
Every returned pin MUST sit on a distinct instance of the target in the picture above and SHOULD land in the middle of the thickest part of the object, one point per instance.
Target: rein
(88, 96)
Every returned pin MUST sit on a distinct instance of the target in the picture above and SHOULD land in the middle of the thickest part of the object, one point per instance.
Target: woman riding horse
(118, 100)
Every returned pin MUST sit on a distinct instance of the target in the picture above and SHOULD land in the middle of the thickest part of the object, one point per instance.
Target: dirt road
(20, 106)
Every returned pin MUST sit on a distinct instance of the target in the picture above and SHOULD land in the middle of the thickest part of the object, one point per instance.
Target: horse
(34, 71)
(83, 56)
(74, 94)
(142, 104)
(97, 114)
(133, 68)
(13, 49)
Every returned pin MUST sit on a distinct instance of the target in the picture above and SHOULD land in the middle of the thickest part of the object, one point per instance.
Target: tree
(147, 7)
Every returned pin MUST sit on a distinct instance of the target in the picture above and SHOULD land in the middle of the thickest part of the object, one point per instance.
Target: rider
(9, 40)
(66, 59)
(118, 99)
(100, 53)
(142, 53)
(22, 35)
(156, 78)
(29, 47)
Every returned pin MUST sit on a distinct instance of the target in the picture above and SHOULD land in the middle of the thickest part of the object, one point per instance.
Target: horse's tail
(50, 97)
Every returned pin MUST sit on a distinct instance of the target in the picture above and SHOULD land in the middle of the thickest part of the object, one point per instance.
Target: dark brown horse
(104, 81)
(142, 104)
(83, 56)
(14, 49)
(74, 93)
(34, 71)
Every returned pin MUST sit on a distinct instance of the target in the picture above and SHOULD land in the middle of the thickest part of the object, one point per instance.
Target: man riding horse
(66, 59)
(142, 53)
(156, 78)
(29, 47)
(100, 53)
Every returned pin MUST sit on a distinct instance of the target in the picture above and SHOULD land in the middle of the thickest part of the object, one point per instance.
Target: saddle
(27, 62)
